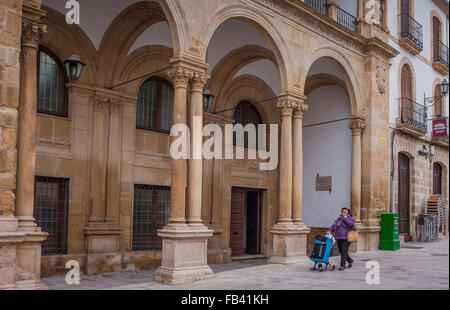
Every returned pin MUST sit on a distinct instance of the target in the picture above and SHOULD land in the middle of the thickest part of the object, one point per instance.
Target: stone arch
(320, 80)
(249, 88)
(434, 13)
(350, 80)
(254, 18)
(405, 61)
(233, 62)
(141, 61)
(122, 33)
(65, 40)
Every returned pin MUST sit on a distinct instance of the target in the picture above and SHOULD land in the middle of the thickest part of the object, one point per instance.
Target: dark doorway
(437, 179)
(245, 223)
(403, 192)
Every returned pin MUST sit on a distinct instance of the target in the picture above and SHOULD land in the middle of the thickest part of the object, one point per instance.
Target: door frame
(261, 215)
(410, 190)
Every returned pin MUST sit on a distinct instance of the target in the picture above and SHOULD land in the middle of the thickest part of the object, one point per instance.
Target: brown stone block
(62, 131)
(45, 129)
(7, 160)
(7, 181)
(8, 117)
(9, 136)
(7, 202)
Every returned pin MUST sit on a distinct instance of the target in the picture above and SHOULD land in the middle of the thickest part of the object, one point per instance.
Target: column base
(184, 254)
(368, 237)
(289, 243)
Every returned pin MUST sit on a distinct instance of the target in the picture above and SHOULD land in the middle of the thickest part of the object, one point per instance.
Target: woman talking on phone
(341, 226)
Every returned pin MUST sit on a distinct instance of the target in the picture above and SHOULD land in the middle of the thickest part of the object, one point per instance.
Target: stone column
(28, 251)
(297, 171)
(198, 81)
(32, 33)
(185, 247)
(289, 240)
(357, 125)
(332, 9)
(180, 77)
(285, 198)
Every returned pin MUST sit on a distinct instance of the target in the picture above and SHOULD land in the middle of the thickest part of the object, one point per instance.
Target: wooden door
(237, 222)
(436, 37)
(438, 102)
(253, 223)
(406, 93)
(403, 192)
(437, 179)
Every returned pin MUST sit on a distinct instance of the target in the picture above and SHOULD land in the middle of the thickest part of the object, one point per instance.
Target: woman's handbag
(352, 236)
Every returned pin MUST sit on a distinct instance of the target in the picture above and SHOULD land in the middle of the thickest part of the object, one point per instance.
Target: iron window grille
(411, 29)
(51, 208)
(441, 53)
(318, 5)
(154, 110)
(52, 79)
(151, 211)
(413, 114)
(346, 19)
(244, 114)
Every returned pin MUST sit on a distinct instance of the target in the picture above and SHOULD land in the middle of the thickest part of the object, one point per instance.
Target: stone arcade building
(85, 168)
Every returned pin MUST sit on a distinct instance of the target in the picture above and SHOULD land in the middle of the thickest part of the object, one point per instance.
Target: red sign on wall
(439, 128)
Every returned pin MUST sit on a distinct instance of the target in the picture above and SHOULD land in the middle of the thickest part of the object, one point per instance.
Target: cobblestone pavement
(422, 266)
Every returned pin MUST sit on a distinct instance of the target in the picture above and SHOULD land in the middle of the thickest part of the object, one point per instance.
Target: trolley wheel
(321, 269)
(333, 267)
(320, 266)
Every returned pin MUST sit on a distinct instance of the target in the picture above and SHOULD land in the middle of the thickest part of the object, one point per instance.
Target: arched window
(438, 103)
(154, 109)
(436, 38)
(406, 101)
(244, 114)
(52, 79)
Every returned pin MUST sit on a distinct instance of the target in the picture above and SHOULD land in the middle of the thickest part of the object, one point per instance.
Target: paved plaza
(422, 266)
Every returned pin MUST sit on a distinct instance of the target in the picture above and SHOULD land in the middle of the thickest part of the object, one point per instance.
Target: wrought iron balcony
(440, 57)
(411, 30)
(413, 117)
(346, 19)
(318, 5)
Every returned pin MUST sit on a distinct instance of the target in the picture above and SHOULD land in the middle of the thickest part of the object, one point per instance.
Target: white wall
(327, 151)
(425, 74)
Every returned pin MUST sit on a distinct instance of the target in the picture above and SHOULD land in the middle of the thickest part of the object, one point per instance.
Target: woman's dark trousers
(343, 246)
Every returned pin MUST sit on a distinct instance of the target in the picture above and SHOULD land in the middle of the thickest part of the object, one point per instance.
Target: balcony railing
(411, 29)
(440, 53)
(412, 114)
(346, 19)
(318, 5)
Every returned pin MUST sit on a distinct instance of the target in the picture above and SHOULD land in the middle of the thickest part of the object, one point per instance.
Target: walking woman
(341, 226)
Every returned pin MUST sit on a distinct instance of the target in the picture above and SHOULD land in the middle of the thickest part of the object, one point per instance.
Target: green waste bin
(390, 236)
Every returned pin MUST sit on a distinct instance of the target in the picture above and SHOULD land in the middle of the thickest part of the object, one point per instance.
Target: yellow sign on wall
(382, 139)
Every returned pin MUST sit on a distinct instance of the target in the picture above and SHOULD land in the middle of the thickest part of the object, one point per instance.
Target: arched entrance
(404, 193)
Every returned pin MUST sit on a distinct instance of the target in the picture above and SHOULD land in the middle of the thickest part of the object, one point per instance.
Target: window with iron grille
(154, 110)
(244, 114)
(51, 208)
(52, 79)
(151, 211)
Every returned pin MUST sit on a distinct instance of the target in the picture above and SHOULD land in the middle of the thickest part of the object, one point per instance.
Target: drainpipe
(392, 171)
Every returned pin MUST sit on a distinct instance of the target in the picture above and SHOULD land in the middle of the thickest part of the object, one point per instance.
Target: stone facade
(98, 148)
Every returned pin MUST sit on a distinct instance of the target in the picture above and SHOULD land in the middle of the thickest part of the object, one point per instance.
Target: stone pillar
(185, 247)
(289, 240)
(28, 250)
(297, 171)
(102, 233)
(332, 9)
(357, 125)
(198, 81)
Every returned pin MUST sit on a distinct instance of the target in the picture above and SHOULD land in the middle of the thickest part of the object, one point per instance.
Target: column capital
(357, 125)
(199, 80)
(32, 33)
(288, 104)
(180, 76)
(300, 110)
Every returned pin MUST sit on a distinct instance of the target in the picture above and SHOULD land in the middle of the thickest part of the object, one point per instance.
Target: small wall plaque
(323, 184)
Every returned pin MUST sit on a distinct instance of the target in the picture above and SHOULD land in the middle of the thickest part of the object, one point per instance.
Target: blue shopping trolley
(321, 252)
